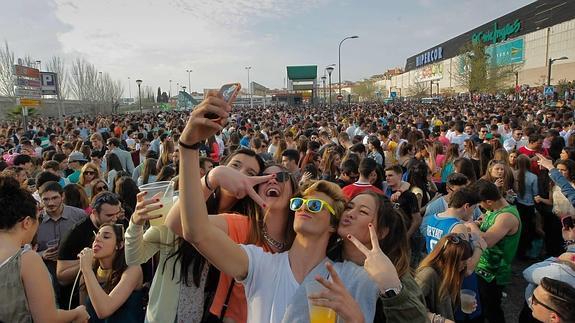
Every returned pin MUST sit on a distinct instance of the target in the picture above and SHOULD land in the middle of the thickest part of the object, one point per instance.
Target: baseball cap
(77, 156)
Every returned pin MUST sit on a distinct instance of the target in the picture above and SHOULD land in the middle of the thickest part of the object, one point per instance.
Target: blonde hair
(86, 167)
(334, 192)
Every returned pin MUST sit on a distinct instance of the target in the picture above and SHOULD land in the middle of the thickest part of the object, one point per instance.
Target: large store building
(529, 36)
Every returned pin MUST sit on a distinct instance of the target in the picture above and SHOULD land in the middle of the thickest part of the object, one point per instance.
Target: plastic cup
(53, 244)
(318, 314)
(165, 191)
(468, 301)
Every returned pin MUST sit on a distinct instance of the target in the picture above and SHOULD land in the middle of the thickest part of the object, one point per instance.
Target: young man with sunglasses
(273, 282)
(501, 229)
(106, 208)
(553, 301)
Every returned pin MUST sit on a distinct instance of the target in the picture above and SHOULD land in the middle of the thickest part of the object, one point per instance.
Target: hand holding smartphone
(229, 93)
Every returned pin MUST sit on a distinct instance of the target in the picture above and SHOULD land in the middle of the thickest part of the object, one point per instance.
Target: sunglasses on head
(313, 205)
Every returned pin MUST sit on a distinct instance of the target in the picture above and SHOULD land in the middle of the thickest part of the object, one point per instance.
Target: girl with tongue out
(112, 291)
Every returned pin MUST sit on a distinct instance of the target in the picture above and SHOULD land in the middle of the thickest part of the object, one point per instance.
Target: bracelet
(568, 243)
(195, 146)
(206, 180)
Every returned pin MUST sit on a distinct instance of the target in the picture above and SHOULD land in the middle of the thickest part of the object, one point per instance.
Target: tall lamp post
(551, 61)
(329, 69)
(139, 82)
(323, 81)
(189, 80)
(248, 68)
(130, 87)
(516, 86)
(170, 95)
(339, 59)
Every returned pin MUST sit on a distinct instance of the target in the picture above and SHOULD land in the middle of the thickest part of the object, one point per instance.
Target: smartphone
(229, 93)
(567, 222)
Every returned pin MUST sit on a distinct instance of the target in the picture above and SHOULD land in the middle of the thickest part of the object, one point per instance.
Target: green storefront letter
(497, 34)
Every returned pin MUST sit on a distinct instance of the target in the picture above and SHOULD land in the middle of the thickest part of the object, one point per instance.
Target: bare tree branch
(7, 80)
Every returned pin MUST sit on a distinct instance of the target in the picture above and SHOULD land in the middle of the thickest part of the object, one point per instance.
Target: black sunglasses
(535, 301)
(281, 176)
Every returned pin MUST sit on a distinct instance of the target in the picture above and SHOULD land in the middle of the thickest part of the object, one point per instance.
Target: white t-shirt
(269, 285)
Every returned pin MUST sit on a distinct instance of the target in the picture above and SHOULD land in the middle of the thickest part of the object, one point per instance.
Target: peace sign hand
(377, 265)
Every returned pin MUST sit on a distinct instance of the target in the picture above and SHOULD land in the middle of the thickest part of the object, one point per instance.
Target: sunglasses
(535, 301)
(281, 176)
(313, 205)
(455, 239)
(89, 172)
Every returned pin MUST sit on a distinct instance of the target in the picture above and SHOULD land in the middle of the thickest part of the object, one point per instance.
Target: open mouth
(273, 192)
(96, 247)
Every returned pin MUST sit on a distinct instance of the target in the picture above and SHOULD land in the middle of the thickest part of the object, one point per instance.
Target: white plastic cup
(318, 314)
(468, 301)
(165, 192)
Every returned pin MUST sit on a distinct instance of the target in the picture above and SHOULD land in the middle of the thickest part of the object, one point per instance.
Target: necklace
(103, 273)
(280, 246)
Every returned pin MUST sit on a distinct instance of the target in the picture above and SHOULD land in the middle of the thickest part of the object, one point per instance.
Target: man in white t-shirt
(270, 280)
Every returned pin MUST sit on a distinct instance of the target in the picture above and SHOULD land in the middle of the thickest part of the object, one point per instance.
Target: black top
(80, 236)
(408, 203)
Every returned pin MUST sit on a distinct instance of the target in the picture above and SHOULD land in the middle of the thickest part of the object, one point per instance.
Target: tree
(159, 95)
(165, 97)
(6, 71)
(478, 72)
(366, 90)
(57, 65)
(419, 89)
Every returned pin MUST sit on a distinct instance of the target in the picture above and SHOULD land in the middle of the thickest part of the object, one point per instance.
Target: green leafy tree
(478, 72)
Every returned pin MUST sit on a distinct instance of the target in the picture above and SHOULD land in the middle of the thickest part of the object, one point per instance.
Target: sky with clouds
(158, 40)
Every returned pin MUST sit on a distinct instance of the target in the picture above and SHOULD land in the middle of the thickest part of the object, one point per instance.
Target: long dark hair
(418, 178)
(127, 189)
(523, 164)
(119, 263)
(187, 255)
(113, 162)
(485, 154)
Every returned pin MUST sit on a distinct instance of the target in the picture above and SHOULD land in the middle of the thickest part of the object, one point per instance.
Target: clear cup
(53, 244)
(318, 314)
(468, 301)
(165, 192)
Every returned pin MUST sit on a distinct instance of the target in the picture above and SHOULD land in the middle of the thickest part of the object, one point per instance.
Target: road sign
(28, 83)
(549, 91)
(49, 83)
(32, 94)
(30, 102)
(393, 94)
(20, 70)
(339, 97)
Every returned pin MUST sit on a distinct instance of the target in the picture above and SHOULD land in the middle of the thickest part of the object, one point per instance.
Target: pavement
(513, 303)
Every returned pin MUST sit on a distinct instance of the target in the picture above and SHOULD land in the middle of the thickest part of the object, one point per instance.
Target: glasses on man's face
(535, 301)
(313, 205)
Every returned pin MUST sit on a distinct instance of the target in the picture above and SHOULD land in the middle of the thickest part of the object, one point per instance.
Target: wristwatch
(391, 292)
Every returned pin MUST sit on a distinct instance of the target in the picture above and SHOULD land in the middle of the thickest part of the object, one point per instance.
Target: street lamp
(323, 81)
(551, 61)
(189, 81)
(516, 86)
(39, 64)
(130, 87)
(248, 68)
(170, 89)
(329, 69)
(339, 58)
(139, 82)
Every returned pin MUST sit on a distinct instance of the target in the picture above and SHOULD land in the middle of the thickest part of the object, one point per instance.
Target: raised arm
(212, 242)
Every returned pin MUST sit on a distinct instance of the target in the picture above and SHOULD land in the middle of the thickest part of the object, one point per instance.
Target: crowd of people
(400, 211)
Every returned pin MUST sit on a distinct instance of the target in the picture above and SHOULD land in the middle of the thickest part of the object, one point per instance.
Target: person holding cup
(440, 275)
(316, 212)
